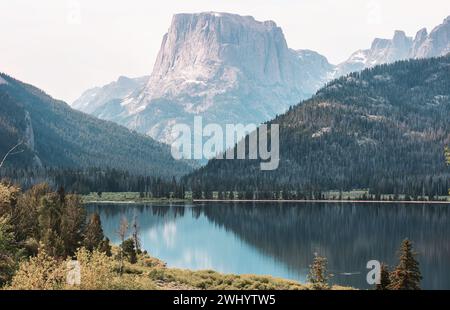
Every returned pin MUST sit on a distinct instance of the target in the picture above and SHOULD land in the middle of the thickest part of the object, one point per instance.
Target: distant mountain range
(234, 69)
(93, 100)
(384, 128)
(55, 135)
(224, 67)
(400, 47)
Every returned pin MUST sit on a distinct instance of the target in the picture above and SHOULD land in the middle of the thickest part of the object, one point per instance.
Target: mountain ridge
(55, 135)
(223, 94)
(400, 47)
(384, 128)
(225, 67)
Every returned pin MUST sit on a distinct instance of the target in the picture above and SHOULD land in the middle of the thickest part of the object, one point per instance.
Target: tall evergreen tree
(94, 233)
(318, 274)
(129, 250)
(73, 220)
(406, 275)
(385, 280)
(8, 251)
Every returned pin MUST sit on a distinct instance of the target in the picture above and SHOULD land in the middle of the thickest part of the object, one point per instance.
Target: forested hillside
(384, 129)
(54, 135)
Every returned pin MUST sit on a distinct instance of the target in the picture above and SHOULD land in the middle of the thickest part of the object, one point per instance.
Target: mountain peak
(214, 61)
(422, 33)
(230, 17)
(400, 37)
(437, 43)
(379, 43)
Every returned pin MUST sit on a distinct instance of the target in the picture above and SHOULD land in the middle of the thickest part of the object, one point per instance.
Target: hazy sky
(67, 46)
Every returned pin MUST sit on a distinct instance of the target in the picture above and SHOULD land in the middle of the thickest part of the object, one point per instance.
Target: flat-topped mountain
(226, 67)
(235, 69)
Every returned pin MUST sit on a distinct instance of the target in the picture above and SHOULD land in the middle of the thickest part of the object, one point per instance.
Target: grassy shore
(331, 197)
(127, 197)
(153, 274)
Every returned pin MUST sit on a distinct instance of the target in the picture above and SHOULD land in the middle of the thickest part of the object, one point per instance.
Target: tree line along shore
(42, 232)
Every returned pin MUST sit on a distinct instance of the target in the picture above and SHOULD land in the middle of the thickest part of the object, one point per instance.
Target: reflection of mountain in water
(349, 236)
(147, 216)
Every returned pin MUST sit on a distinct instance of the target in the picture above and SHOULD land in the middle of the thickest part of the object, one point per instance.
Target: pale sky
(68, 46)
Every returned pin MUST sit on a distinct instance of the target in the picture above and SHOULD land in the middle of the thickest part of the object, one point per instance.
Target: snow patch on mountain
(229, 68)
(94, 99)
(225, 67)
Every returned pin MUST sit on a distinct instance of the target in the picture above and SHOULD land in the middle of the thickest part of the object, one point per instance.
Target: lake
(280, 239)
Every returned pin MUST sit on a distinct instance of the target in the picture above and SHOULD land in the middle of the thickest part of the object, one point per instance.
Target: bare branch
(11, 152)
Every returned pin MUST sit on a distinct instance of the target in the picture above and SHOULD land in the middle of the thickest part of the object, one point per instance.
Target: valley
(236, 162)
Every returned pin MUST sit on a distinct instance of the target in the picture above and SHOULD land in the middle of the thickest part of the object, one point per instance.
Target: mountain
(54, 135)
(95, 98)
(234, 69)
(400, 47)
(384, 128)
(225, 67)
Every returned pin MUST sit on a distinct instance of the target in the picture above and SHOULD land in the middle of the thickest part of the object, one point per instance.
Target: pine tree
(129, 250)
(407, 274)
(105, 247)
(73, 220)
(8, 252)
(318, 274)
(384, 278)
(94, 233)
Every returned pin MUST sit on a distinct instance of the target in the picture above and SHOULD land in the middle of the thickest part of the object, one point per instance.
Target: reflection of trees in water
(348, 236)
(148, 216)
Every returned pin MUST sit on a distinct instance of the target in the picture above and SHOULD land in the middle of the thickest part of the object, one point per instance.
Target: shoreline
(135, 202)
(122, 202)
(324, 201)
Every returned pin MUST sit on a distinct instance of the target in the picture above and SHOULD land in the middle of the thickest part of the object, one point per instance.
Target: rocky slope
(234, 69)
(93, 100)
(225, 67)
(400, 47)
(54, 135)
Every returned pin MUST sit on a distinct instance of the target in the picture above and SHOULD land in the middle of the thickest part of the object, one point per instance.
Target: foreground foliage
(43, 233)
(100, 272)
(406, 275)
(42, 222)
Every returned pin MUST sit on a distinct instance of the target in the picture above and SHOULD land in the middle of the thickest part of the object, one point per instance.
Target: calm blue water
(281, 239)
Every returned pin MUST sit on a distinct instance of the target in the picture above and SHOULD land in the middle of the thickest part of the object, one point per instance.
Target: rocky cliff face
(93, 100)
(225, 67)
(234, 69)
(400, 47)
(436, 44)
(54, 135)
